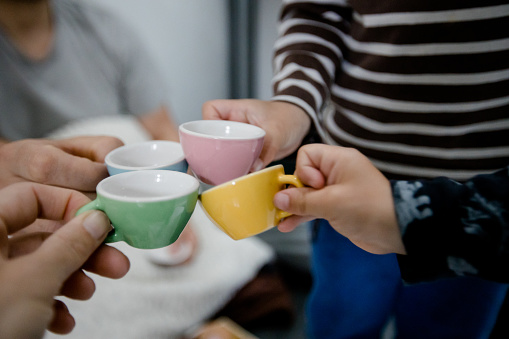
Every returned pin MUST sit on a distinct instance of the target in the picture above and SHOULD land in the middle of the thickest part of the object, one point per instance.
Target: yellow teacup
(244, 207)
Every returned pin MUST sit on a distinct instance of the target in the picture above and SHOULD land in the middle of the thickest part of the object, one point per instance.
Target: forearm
(452, 229)
(160, 124)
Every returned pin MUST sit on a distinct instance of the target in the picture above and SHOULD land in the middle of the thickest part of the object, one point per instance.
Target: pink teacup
(219, 150)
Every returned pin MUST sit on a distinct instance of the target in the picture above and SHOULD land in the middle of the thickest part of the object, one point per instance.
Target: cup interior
(148, 185)
(145, 155)
(222, 129)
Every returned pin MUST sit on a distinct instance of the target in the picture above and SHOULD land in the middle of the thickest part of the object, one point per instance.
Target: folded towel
(125, 127)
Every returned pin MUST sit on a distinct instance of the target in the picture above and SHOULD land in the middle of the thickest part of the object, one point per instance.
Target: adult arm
(160, 124)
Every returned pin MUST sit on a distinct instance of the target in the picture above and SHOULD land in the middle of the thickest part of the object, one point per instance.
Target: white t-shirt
(97, 67)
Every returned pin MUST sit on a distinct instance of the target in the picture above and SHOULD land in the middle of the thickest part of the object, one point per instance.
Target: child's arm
(445, 227)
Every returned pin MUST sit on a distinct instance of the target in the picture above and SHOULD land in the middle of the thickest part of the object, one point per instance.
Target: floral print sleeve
(454, 229)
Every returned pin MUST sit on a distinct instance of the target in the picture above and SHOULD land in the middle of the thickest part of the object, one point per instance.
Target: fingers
(108, 262)
(293, 200)
(67, 249)
(306, 201)
(24, 244)
(94, 148)
(240, 110)
(53, 165)
(74, 163)
(63, 322)
(42, 225)
(41, 201)
(79, 286)
(315, 163)
(38, 201)
(285, 124)
(291, 223)
(269, 151)
(211, 110)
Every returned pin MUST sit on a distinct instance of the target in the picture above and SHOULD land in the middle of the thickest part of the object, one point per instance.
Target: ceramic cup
(218, 150)
(149, 155)
(148, 209)
(244, 207)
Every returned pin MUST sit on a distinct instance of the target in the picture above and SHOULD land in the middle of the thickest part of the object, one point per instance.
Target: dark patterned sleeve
(451, 229)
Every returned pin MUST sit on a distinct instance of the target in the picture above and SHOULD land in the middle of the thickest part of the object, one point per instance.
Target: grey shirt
(96, 67)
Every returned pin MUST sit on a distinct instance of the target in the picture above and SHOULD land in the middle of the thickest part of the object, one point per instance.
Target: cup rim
(244, 177)
(184, 128)
(125, 148)
(193, 187)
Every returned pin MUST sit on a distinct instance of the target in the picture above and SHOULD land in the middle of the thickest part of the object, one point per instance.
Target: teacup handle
(96, 204)
(289, 180)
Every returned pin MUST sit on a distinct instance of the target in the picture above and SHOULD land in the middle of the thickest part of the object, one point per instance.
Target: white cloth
(125, 127)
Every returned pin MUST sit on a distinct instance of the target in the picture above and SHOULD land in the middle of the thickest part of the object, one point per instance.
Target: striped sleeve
(420, 87)
(308, 53)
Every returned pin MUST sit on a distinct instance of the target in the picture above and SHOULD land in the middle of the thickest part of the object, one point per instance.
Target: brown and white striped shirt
(420, 87)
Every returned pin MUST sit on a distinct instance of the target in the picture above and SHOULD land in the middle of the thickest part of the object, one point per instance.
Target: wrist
(294, 118)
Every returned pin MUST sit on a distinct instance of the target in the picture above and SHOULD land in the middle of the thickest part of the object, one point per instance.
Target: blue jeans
(355, 292)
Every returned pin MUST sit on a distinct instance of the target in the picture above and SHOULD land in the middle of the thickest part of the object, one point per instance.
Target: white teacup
(149, 155)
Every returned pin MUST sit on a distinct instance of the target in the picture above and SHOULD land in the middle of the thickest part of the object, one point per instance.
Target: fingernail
(97, 224)
(282, 201)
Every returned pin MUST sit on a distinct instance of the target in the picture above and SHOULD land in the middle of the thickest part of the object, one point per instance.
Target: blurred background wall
(202, 46)
(189, 42)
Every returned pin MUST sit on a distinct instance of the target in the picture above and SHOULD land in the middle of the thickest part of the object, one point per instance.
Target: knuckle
(41, 167)
(351, 153)
(106, 142)
(114, 142)
(100, 146)
(206, 105)
(298, 201)
(76, 251)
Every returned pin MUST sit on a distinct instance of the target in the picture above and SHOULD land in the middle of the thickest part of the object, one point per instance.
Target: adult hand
(344, 188)
(36, 267)
(76, 163)
(285, 124)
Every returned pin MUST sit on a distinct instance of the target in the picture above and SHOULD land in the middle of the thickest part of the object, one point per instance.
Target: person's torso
(423, 90)
(79, 78)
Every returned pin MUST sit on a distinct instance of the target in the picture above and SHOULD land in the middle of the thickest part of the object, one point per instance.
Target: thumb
(67, 249)
(294, 200)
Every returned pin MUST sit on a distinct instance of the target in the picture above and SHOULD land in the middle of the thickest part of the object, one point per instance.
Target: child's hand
(344, 188)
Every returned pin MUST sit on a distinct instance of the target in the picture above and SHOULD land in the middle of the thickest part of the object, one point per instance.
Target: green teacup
(148, 209)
